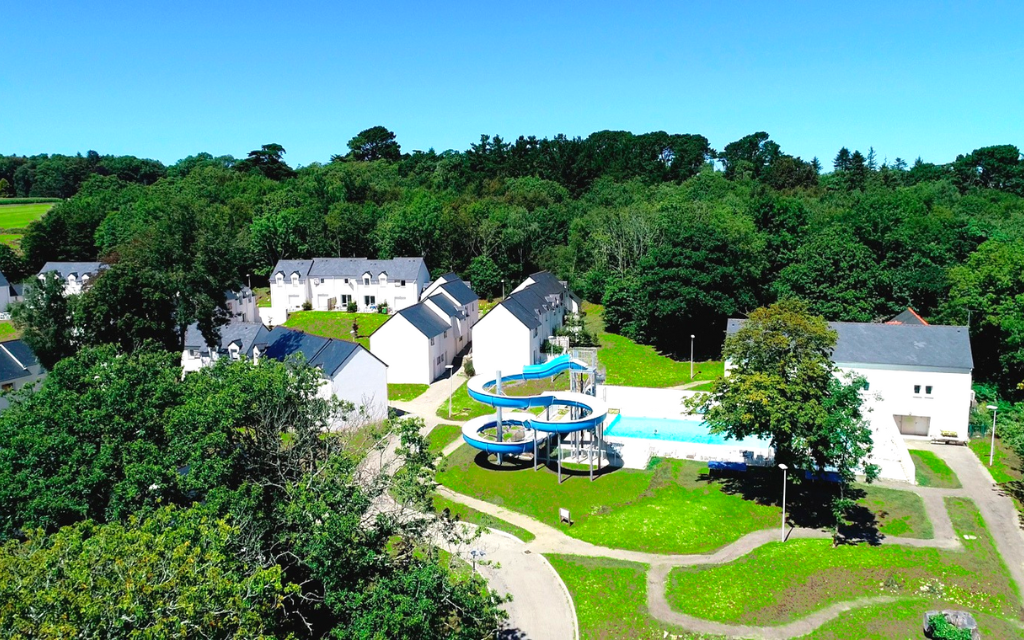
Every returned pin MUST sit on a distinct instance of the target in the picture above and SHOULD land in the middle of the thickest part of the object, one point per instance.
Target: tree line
(671, 235)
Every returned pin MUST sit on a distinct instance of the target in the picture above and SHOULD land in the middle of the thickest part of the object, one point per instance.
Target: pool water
(695, 431)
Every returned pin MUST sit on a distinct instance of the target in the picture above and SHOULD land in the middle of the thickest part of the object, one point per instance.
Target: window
(401, 283)
(8, 386)
(431, 342)
(369, 300)
(867, 385)
(917, 389)
(295, 278)
(346, 298)
(445, 334)
(366, 281)
(534, 333)
(346, 280)
(928, 390)
(383, 279)
(280, 278)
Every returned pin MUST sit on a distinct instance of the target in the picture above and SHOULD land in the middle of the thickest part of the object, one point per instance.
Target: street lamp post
(784, 468)
(449, 368)
(691, 355)
(992, 450)
(503, 288)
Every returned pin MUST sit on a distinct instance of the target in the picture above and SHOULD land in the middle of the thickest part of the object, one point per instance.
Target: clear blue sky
(165, 80)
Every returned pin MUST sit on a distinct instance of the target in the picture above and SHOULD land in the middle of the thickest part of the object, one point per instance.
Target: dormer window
(295, 279)
(383, 279)
(366, 280)
(401, 283)
(280, 278)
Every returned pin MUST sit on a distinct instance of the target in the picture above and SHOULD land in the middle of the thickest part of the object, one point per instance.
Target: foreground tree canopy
(670, 234)
(218, 506)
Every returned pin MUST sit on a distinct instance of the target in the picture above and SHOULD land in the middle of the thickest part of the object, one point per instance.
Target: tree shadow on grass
(511, 463)
(808, 502)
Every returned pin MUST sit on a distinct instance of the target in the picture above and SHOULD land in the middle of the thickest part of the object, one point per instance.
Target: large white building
(328, 284)
(419, 341)
(512, 333)
(76, 275)
(919, 383)
(350, 372)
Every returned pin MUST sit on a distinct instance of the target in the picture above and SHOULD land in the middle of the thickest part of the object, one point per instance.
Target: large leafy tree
(375, 143)
(46, 319)
(174, 573)
(267, 160)
(783, 386)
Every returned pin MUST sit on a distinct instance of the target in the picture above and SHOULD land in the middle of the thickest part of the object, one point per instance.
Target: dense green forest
(671, 235)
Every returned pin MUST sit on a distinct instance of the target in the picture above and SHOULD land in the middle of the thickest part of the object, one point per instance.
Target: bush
(307, 306)
(352, 307)
(382, 308)
(467, 366)
(942, 629)
(28, 200)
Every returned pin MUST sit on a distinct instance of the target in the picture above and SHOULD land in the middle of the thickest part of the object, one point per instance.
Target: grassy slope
(336, 324)
(1006, 467)
(468, 514)
(463, 407)
(900, 620)
(7, 331)
(611, 599)
(780, 582)
(405, 392)
(932, 471)
(631, 364)
(443, 435)
(672, 509)
(18, 216)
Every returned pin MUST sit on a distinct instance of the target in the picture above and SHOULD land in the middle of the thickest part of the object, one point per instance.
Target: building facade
(331, 284)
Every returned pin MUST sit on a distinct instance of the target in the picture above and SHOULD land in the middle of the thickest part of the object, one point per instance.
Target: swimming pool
(676, 430)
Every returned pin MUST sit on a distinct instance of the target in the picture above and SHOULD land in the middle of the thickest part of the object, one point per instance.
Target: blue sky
(165, 80)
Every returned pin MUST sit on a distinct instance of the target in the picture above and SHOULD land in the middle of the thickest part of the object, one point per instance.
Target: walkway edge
(568, 595)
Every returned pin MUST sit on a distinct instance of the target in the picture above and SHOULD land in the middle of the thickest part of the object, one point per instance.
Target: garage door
(913, 425)
(294, 302)
(321, 301)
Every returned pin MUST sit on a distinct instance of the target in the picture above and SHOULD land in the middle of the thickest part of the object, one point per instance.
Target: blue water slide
(484, 389)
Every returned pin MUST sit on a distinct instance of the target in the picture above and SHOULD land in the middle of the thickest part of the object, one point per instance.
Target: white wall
(405, 350)
(285, 298)
(501, 342)
(363, 381)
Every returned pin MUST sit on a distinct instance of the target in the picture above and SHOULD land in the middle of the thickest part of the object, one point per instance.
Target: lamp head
(783, 467)
(692, 336)
(992, 407)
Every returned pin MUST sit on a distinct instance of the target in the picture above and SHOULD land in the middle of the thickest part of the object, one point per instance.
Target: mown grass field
(463, 407)
(443, 435)
(674, 507)
(18, 216)
(463, 513)
(781, 582)
(7, 331)
(337, 324)
(635, 365)
(405, 392)
(931, 471)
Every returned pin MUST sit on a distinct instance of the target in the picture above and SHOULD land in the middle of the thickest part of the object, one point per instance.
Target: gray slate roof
(520, 313)
(246, 334)
(396, 268)
(15, 360)
(333, 355)
(425, 320)
(78, 268)
(907, 317)
(328, 354)
(460, 291)
(446, 306)
(912, 345)
(3, 280)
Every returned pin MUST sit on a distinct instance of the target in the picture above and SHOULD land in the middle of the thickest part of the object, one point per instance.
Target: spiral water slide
(588, 413)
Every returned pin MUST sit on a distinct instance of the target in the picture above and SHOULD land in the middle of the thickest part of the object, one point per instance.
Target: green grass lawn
(780, 582)
(262, 296)
(337, 324)
(7, 331)
(487, 305)
(611, 599)
(18, 216)
(635, 365)
(901, 619)
(932, 471)
(12, 240)
(1006, 466)
(463, 407)
(672, 508)
(443, 435)
(406, 392)
(468, 514)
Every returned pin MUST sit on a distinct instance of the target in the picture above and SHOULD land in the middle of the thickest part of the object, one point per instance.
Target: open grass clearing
(1006, 467)
(902, 620)
(780, 582)
(443, 435)
(7, 331)
(463, 513)
(337, 324)
(19, 216)
(635, 365)
(611, 599)
(406, 392)
(487, 305)
(931, 471)
(12, 240)
(463, 407)
(262, 296)
(674, 507)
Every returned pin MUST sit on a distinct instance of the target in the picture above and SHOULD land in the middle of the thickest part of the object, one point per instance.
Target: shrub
(942, 629)
(467, 366)
(352, 307)
(307, 306)
(382, 307)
